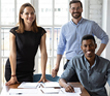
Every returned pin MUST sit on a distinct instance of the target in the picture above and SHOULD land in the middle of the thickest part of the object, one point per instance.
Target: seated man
(93, 71)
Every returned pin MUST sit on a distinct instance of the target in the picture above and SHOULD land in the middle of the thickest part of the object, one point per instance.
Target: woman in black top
(24, 42)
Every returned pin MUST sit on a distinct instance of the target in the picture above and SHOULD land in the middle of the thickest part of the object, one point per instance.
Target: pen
(62, 91)
(15, 93)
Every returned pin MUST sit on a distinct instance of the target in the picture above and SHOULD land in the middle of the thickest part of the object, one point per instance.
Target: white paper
(4, 91)
(69, 93)
(51, 84)
(49, 90)
(58, 95)
(22, 91)
(73, 94)
(76, 90)
(30, 85)
(34, 95)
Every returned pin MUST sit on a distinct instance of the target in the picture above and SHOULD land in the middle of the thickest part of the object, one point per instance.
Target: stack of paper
(43, 88)
(50, 91)
(30, 85)
(22, 91)
(77, 92)
(51, 84)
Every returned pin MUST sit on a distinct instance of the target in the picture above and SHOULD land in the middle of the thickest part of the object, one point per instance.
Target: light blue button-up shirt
(71, 35)
(92, 78)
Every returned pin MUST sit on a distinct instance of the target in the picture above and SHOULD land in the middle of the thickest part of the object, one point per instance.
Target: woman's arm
(12, 59)
(12, 56)
(43, 57)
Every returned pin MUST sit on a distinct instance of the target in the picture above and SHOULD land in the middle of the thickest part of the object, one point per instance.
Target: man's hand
(13, 80)
(69, 88)
(54, 72)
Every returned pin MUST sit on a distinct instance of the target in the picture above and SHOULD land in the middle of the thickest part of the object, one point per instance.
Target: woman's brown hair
(21, 27)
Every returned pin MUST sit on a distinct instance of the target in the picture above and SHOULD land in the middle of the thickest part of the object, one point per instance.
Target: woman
(24, 42)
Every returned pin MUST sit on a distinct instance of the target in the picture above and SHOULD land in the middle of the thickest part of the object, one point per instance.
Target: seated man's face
(88, 47)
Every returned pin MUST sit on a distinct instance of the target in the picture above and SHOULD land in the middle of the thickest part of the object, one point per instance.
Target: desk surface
(76, 84)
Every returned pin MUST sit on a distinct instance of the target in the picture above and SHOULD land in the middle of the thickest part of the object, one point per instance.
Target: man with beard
(71, 34)
(92, 70)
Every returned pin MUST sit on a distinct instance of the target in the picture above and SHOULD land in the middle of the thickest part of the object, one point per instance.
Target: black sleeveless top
(26, 46)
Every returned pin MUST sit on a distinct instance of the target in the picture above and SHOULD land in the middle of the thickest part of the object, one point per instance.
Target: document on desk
(77, 92)
(30, 85)
(33, 85)
(22, 91)
(56, 92)
(49, 90)
(51, 84)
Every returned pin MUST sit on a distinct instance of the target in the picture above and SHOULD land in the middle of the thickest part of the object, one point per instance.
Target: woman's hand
(13, 80)
(42, 79)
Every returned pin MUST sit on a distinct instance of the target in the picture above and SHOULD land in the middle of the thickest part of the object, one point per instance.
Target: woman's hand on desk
(13, 80)
(69, 88)
(42, 79)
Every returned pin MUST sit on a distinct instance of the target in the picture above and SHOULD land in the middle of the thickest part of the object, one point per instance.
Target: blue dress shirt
(92, 78)
(71, 35)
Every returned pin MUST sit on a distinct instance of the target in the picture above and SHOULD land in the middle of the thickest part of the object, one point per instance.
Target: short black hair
(76, 1)
(86, 37)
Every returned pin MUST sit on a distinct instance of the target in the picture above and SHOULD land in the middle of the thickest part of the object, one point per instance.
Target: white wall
(106, 24)
(106, 27)
(95, 14)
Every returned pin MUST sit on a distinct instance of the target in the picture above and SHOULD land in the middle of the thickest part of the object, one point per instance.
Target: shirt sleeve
(62, 42)
(69, 71)
(99, 33)
(13, 30)
(42, 31)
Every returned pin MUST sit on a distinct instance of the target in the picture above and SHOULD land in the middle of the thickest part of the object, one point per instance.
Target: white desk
(6, 89)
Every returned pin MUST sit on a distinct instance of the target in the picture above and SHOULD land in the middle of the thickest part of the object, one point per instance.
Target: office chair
(36, 78)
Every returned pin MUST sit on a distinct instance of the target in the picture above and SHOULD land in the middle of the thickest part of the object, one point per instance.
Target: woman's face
(28, 15)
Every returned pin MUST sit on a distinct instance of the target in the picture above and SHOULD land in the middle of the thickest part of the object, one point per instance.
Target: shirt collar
(78, 22)
(87, 63)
